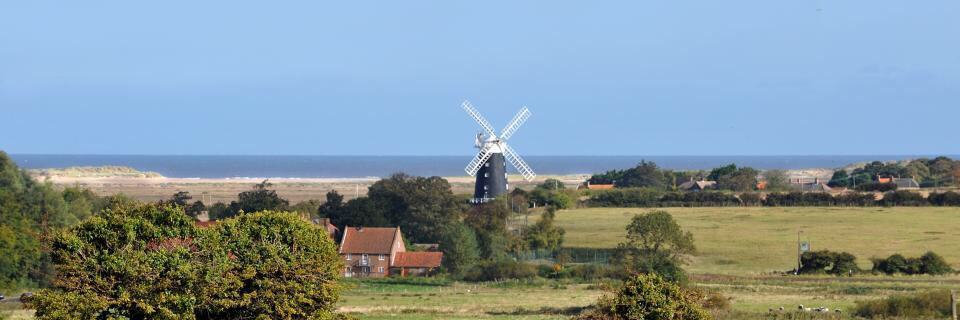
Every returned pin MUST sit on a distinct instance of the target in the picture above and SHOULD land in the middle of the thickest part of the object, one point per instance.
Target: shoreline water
(352, 167)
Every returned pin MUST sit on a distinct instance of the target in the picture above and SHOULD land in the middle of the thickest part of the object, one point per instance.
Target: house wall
(374, 268)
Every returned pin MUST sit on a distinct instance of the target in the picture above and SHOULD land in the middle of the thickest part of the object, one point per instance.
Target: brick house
(381, 252)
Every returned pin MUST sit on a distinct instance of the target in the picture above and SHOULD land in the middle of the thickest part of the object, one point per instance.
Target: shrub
(501, 270)
(751, 199)
(929, 263)
(877, 187)
(649, 296)
(628, 197)
(824, 261)
(903, 198)
(922, 305)
(948, 198)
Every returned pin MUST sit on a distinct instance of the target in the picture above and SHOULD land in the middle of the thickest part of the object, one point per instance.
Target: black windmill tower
(490, 164)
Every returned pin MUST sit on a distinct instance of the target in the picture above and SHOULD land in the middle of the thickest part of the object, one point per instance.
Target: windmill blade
(478, 161)
(479, 118)
(515, 124)
(518, 163)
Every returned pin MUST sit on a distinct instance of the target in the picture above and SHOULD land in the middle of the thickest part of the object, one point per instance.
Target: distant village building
(906, 183)
(697, 186)
(816, 185)
(590, 186)
(332, 230)
(380, 252)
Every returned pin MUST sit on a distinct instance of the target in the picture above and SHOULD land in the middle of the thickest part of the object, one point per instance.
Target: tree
(840, 179)
(459, 247)
(656, 244)
(126, 262)
(544, 235)
(261, 198)
(420, 206)
(716, 173)
(268, 265)
(181, 198)
(489, 220)
(776, 180)
(332, 206)
(742, 179)
(551, 184)
(644, 175)
(650, 296)
(150, 261)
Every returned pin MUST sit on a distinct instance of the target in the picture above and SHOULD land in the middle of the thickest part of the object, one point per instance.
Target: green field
(753, 241)
(739, 251)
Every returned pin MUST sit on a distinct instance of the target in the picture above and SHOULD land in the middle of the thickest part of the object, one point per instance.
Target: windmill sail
(478, 161)
(518, 163)
(515, 124)
(479, 118)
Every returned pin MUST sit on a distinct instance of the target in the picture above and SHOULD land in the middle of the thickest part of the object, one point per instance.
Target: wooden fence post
(953, 303)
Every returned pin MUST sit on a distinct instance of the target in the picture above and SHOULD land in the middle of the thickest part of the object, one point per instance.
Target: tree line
(652, 198)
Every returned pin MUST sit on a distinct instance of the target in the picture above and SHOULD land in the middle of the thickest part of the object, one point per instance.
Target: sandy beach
(226, 189)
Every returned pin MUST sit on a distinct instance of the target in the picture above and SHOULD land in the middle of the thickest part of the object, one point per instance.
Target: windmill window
(486, 174)
(485, 187)
(486, 164)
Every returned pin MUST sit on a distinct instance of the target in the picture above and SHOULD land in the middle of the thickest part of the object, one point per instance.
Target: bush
(501, 270)
(629, 197)
(903, 198)
(930, 263)
(824, 261)
(933, 304)
(948, 198)
(751, 199)
(877, 187)
(648, 296)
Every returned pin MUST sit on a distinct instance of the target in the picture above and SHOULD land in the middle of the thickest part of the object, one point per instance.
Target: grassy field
(753, 241)
(739, 250)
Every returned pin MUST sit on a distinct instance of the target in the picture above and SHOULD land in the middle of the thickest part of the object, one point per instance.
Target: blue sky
(387, 78)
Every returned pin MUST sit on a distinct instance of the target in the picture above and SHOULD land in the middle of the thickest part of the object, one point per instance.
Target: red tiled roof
(368, 240)
(418, 259)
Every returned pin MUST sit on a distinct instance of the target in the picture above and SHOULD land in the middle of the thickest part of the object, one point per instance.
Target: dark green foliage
(649, 296)
(459, 247)
(626, 198)
(563, 199)
(877, 187)
(29, 212)
(799, 199)
(500, 270)
(151, 262)
(881, 169)
(828, 262)
(716, 173)
(949, 198)
(840, 179)
(645, 175)
(929, 263)
(267, 265)
(656, 244)
(261, 198)
(551, 184)
(544, 235)
(700, 199)
(931, 304)
(742, 179)
(420, 206)
(903, 198)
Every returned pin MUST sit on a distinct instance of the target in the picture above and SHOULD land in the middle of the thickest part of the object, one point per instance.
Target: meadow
(742, 253)
(756, 240)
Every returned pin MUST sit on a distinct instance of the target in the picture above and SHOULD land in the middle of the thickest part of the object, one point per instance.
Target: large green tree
(151, 262)
(656, 244)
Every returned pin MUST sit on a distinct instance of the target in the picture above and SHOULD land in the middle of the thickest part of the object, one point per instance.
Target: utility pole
(799, 253)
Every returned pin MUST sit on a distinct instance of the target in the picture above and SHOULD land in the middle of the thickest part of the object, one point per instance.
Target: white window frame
(381, 257)
(348, 257)
(381, 269)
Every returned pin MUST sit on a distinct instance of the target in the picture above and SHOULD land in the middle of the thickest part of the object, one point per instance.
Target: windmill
(489, 166)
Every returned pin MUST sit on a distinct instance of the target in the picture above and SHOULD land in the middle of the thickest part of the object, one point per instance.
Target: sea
(307, 166)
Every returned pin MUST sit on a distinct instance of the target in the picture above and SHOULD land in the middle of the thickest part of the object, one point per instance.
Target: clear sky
(387, 78)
